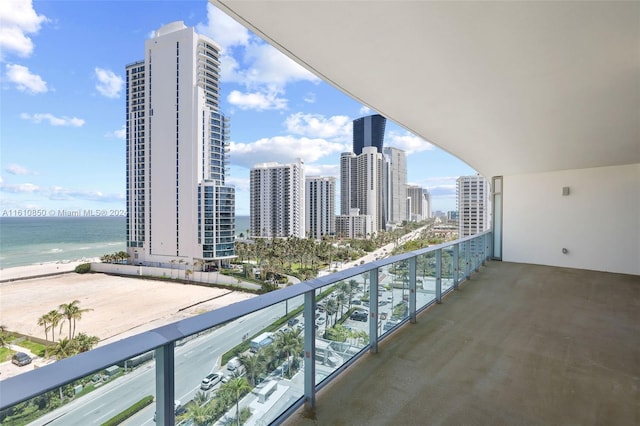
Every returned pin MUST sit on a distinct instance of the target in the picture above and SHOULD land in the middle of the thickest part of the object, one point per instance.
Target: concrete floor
(516, 345)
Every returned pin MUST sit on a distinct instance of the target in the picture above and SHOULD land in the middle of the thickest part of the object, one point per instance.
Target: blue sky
(62, 105)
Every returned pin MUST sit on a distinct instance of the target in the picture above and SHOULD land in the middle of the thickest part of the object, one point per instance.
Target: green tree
(236, 388)
(202, 415)
(43, 321)
(72, 312)
(84, 342)
(289, 344)
(64, 349)
(4, 336)
(55, 319)
(254, 365)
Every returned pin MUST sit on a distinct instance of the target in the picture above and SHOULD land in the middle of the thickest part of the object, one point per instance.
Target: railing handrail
(22, 387)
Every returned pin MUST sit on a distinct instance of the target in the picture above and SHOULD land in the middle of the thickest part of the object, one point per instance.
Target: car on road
(359, 316)
(20, 359)
(210, 381)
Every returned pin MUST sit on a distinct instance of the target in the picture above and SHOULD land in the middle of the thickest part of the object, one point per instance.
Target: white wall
(598, 223)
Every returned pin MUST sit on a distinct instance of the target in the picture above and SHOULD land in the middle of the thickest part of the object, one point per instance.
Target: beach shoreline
(119, 306)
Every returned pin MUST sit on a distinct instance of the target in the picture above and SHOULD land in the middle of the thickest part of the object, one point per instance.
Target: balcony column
(165, 385)
(456, 265)
(467, 257)
(310, 350)
(439, 276)
(373, 310)
(412, 289)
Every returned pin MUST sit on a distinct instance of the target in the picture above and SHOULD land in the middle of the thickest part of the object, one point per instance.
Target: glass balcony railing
(259, 359)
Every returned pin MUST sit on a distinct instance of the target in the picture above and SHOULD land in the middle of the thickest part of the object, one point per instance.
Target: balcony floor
(518, 344)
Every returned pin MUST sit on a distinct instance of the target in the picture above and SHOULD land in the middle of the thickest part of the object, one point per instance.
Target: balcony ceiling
(508, 87)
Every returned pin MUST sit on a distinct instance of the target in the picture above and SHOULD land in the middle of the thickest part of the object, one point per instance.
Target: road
(193, 361)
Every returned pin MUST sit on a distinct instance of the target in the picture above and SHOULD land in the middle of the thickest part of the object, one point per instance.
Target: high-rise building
(394, 193)
(320, 206)
(368, 131)
(348, 182)
(473, 211)
(354, 225)
(179, 208)
(417, 205)
(277, 201)
(362, 172)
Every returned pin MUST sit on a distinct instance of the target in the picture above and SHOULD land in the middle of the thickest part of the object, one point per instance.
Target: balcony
(168, 363)
(510, 344)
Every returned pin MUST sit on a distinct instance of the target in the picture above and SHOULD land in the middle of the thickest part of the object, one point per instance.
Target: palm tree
(202, 415)
(55, 318)
(237, 387)
(289, 343)
(72, 312)
(84, 342)
(64, 349)
(4, 337)
(254, 365)
(44, 322)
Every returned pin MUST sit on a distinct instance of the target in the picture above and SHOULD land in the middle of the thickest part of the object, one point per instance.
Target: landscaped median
(124, 415)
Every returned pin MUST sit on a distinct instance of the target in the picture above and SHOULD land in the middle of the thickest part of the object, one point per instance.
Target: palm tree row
(70, 312)
(117, 257)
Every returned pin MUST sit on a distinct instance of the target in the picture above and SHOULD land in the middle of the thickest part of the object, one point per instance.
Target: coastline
(44, 269)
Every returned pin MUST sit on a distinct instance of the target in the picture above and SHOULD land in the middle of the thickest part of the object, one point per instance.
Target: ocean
(34, 240)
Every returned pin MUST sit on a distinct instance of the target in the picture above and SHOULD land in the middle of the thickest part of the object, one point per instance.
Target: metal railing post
(373, 310)
(310, 349)
(439, 276)
(456, 265)
(467, 257)
(165, 385)
(412, 289)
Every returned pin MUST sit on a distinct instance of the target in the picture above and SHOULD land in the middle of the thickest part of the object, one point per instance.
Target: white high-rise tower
(473, 211)
(179, 208)
(320, 206)
(277, 203)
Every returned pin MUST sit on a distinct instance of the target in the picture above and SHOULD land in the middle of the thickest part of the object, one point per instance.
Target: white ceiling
(508, 87)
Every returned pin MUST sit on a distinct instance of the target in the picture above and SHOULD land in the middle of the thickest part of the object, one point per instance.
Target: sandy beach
(120, 306)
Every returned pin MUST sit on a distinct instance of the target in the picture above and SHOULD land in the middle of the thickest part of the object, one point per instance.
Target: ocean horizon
(36, 240)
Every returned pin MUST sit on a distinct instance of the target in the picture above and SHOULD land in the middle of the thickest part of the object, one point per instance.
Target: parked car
(210, 381)
(20, 359)
(320, 320)
(293, 321)
(359, 316)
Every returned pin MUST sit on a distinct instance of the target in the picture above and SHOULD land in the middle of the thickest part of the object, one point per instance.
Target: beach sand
(120, 306)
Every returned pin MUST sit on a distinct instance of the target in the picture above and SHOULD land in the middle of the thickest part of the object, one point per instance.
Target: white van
(233, 363)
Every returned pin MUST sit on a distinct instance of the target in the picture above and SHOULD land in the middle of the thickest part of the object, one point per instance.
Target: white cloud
(24, 80)
(318, 126)
(322, 170)
(109, 84)
(365, 110)
(408, 142)
(281, 149)
(247, 60)
(53, 120)
(257, 101)
(310, 98)
(241, 184)
(18, 19)
(223, 29)
(16, 169)
(121, 133)
(59, 193)
(18, 188)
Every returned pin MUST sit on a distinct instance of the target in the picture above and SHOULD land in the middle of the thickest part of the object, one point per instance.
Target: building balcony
(446, 335)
